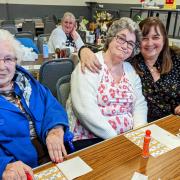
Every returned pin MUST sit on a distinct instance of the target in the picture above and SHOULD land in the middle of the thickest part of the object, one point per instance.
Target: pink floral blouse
(115, 101)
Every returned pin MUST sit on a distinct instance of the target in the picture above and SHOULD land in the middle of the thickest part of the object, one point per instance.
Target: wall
(131, 1)
(74, 2)
(11, 9)
(47, 2)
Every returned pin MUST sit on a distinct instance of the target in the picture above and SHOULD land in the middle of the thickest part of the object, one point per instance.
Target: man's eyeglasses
(121, 40)
(8, 59)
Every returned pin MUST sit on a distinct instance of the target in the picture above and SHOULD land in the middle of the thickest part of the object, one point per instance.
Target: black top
(70, 41)
(163, 95)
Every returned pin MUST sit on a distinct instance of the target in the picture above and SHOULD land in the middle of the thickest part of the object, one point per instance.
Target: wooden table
(34, 66)
(119, 158)
(39, 26)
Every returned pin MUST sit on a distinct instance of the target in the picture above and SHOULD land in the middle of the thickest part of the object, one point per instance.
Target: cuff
(79, 52)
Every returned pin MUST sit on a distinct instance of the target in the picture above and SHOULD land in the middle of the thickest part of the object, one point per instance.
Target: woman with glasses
(109, 103)
(158, 66)
(31, 119)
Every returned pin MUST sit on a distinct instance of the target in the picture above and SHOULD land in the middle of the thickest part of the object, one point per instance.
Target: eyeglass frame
(8, 60)
(123, 41)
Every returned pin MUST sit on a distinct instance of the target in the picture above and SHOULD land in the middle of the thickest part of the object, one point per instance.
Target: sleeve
(4, 160)
(84, 99)
(54, 114)
(57, 39)
(140, 105)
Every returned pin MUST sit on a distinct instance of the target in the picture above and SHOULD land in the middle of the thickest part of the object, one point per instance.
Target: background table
(34, 66)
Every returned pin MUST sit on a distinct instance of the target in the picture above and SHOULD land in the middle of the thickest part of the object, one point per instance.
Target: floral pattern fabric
(115, 101)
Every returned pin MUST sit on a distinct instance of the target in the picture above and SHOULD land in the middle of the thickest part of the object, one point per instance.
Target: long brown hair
(145, 26)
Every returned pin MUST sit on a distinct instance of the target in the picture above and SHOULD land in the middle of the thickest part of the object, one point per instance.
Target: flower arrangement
(83, 23)
(102, 16)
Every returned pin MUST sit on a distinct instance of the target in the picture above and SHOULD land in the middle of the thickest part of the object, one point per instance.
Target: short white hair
(6, 36)
(69, 15)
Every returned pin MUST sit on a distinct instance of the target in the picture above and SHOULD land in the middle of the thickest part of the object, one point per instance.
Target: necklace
(152, 69)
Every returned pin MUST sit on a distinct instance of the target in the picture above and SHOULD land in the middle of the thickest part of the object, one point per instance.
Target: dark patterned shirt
(70, 41)
(162, 96)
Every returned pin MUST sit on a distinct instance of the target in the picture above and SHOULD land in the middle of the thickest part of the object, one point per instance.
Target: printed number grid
(50, 174)
(155, 147)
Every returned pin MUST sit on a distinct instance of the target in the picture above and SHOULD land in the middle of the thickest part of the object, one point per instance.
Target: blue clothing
(27, 42)
(46, 113)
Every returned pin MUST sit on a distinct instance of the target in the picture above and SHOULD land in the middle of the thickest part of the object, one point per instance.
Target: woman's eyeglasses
(8, 60)
(121, 40)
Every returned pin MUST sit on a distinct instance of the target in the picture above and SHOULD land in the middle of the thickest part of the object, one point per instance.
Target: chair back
(51, 71)
(51, 18)
(24, 34)
(10, 27)
(29, 26)
(49, 26)
(63, 89)
(40, 41)
(83, 35)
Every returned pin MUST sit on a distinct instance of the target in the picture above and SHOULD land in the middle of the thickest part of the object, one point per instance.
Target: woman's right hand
(177, 110)
(17, 171)
(89, 60)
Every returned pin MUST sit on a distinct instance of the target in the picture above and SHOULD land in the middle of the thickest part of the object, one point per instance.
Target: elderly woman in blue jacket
(28, 111)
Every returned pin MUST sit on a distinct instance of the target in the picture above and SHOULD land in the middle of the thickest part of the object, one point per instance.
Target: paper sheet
(73, 168)
(31, 67)
(50, 174)
(139, 176)
(163, 136)
(161, 140)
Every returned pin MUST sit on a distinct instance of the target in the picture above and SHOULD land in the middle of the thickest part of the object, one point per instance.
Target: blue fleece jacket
(46, 113)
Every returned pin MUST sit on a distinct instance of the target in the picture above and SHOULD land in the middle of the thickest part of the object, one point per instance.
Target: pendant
(151, 70)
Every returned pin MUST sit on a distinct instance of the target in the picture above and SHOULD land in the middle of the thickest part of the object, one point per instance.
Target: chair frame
(22, 34)
(61, 81)
(42, 69)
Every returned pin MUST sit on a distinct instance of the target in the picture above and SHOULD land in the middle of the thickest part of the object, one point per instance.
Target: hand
(89, 60)
(17, 171)
(74, 33)
(177, 110)
(55, 144)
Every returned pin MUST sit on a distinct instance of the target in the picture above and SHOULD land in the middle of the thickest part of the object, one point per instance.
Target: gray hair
(70, 15)
(119, 25)
(16, 46)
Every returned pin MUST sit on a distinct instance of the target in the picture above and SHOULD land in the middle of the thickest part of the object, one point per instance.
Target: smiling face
(7, 70)
(152, 44)
(121, 46)
(68, 24)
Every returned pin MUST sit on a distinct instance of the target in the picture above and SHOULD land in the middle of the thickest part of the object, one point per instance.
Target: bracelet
(79, 52)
